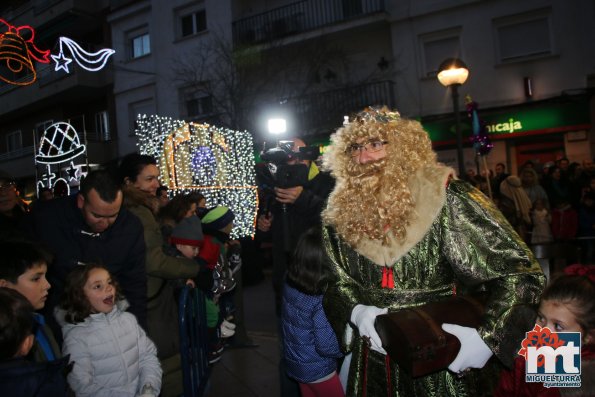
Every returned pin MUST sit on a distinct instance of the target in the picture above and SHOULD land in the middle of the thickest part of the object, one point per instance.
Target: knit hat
(217, 218)
(187, 232)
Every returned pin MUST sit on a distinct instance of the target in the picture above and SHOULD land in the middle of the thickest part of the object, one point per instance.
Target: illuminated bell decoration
(59, 143)
(16, 50)
(15, 64)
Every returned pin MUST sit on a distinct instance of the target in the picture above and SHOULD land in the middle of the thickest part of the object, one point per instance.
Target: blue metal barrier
(193, 342)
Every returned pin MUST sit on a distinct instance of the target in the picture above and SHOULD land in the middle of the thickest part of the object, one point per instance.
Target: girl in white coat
(111, 353)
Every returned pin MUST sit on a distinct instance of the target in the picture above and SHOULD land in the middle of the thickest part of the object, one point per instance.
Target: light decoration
(90, 61)
(59, 144)
(217, 162)
(17, 47)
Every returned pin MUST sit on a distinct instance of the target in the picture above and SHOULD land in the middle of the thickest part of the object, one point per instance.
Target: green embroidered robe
(460, 239)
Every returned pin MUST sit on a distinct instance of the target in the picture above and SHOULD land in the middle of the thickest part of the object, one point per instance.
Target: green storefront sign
(547, 117)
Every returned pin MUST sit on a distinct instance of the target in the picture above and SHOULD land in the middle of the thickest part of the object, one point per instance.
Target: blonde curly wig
(374, 199)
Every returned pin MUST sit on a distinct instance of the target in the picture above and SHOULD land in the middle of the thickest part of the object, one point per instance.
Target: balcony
(322, 112)
(299, 17)
(52, 86)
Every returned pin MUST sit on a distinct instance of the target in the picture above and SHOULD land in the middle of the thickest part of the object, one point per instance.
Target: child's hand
(191, 283)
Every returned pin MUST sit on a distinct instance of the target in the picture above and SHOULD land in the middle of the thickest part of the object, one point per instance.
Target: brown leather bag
(414, 338)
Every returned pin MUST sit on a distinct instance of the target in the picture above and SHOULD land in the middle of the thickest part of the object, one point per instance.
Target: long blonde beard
(373, 203)
(374, 200)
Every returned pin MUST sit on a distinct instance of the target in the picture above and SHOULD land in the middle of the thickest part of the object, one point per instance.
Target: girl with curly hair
(110, 352)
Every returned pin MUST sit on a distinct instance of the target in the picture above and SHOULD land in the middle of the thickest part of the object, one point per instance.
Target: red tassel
(384, 277)
(389, 386)
(391, 280)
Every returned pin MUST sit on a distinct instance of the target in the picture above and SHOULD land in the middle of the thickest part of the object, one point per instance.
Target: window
(40, 128)
(523, 36)
(141, 45)
(199, 106)
(438, 46)
(14, 141)
(194, 23)
(102, 126)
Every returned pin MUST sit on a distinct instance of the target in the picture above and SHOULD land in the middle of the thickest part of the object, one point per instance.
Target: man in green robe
(401, 231)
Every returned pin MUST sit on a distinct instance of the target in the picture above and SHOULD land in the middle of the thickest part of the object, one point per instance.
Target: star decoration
(61, 62)
(72, 172)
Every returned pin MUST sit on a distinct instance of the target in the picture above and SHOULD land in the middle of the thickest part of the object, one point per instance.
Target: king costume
(451, 239)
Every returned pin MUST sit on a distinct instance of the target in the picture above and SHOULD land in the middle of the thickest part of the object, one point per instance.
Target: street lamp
(452, 73)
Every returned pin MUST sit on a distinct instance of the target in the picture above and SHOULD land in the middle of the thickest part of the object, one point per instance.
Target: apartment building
(42, 95)
(237, 63)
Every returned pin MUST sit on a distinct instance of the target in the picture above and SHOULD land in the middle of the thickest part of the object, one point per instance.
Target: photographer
(294, 205)
(303, 204)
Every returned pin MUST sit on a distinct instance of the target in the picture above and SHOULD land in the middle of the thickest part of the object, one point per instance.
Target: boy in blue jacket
(24, 268)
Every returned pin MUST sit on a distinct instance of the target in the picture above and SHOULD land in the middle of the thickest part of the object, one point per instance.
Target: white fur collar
(428, 190)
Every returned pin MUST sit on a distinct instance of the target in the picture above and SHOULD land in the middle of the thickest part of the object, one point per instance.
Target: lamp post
(452, 73)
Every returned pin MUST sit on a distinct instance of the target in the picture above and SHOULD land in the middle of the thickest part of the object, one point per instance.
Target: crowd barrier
(554, 257)
(193, 342)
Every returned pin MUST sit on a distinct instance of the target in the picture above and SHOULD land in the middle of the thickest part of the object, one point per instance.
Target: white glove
(227, 329)
(363, 317)
(148, 391)
(474, 352)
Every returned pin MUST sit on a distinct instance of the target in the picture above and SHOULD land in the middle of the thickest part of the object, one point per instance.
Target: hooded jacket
(111, 353)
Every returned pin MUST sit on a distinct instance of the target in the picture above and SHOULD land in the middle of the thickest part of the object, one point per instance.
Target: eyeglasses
(371, 147)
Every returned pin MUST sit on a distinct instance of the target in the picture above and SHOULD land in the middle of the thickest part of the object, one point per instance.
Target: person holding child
(310, 345)
(111, 353)
(139, 175)
(18, 376)
(567, 305)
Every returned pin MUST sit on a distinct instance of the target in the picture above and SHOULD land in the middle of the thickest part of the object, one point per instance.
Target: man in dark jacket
(303, 205)
(91, 227)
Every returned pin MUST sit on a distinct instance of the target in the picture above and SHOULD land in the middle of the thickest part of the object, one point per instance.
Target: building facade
(236, 63)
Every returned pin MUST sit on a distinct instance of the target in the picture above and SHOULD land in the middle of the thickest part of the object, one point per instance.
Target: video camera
(281, 174)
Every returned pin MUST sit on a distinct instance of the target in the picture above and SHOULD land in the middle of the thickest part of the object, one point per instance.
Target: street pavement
(251, 372)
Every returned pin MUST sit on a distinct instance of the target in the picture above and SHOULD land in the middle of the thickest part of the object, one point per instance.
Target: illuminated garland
(217, 162)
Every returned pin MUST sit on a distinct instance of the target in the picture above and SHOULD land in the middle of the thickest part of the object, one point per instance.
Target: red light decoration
(17, 47)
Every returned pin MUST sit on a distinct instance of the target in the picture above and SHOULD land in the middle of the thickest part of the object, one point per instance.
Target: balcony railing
(13, 154)
(98, 136)
(318, 113)
(300, 17)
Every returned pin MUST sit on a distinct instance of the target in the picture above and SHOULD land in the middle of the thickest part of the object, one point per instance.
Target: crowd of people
(550, 204)
(89, 283)
(102, 270)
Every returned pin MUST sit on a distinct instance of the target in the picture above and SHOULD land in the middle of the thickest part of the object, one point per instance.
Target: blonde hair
(374, 198)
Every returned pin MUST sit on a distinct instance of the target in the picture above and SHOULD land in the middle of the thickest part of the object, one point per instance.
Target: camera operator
(294, 210)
